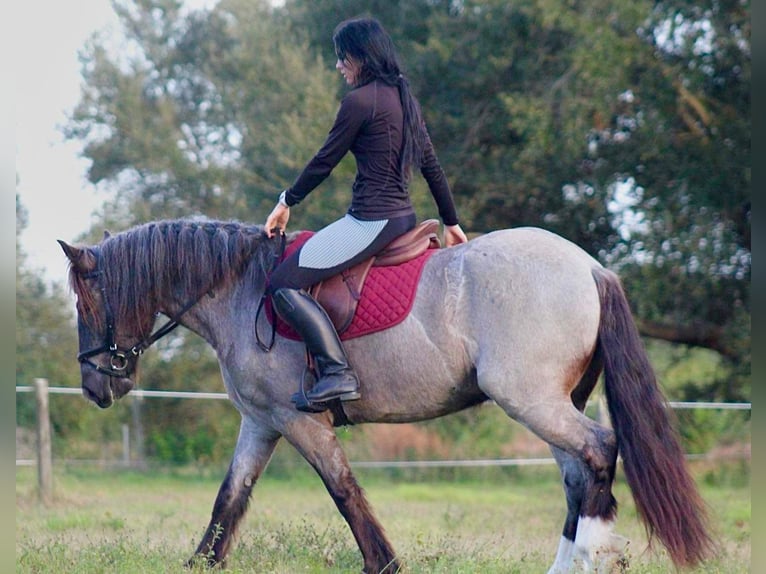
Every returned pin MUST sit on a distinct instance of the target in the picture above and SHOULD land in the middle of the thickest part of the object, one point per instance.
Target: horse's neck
(219, 313)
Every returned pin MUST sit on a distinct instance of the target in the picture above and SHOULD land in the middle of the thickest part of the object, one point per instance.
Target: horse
(521, 317)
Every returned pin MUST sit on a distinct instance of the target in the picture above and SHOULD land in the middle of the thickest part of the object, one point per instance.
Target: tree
(182, 430)
(685, 147)
(214, 116)
(623, 126)
(45, 330)
(46, 345)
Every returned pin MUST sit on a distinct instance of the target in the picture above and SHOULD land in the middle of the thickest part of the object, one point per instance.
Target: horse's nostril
(103, 400)
(88, 394)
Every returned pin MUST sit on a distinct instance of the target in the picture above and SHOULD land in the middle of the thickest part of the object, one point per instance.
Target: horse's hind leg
(251, 456)
(315, 439)
(589, 454)
(574, 476)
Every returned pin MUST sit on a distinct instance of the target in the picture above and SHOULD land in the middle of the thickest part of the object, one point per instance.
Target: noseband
(119, 358)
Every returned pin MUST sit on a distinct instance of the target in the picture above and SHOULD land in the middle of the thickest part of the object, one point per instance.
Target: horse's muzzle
(104, 390)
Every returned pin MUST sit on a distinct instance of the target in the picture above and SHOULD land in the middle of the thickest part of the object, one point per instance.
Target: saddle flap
(339, 295)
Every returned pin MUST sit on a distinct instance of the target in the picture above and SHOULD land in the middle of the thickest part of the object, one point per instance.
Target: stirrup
(306, 406)
(301, 401)
(334, 390)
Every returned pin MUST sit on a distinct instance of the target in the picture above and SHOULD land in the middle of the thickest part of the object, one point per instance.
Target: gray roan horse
(521, 317)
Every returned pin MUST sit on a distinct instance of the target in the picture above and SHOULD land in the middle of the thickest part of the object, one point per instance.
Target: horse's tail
(664, 492)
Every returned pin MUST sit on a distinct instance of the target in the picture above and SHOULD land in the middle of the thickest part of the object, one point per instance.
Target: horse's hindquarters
(531, 311)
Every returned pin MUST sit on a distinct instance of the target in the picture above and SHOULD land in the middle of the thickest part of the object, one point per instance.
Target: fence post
(125, 445)
(44, 456)
(138, 432)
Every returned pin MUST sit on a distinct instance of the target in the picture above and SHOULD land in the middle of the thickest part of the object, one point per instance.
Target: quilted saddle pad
(386, 298)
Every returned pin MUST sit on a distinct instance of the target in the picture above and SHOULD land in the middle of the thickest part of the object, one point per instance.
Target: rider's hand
(453, 235)
(277, 219)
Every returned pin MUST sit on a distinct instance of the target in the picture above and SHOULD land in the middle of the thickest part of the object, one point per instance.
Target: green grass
(126, 522)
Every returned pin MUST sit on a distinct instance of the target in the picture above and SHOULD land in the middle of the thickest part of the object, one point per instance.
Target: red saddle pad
(387, 296)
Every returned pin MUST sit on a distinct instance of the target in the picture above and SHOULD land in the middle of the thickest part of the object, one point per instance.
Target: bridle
(119, 358)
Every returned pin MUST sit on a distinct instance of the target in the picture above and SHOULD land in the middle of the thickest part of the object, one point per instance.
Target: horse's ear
(80, 259)
(107, 235)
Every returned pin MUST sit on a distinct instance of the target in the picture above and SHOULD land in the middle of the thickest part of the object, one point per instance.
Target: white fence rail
(135, 393)
(205, 395)
(44, 460)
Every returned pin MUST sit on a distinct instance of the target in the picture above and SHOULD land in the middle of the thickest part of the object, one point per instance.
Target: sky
(52, 183)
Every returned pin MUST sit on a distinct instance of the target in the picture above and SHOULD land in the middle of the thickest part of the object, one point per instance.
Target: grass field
(507, 520)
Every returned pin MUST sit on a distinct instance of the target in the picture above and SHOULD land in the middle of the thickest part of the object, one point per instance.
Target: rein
(277, 257)
(119, 359)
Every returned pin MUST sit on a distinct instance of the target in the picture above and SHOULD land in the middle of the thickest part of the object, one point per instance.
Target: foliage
(622, 125)
(685, 151)
(182, 431)
(46, 344)
(214, 116)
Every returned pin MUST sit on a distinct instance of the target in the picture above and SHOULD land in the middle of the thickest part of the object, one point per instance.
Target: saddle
(339, 295)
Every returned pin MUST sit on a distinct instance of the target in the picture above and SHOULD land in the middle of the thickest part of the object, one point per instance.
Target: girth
(339, 295)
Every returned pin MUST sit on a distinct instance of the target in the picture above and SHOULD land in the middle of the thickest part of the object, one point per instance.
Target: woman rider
(380, 122)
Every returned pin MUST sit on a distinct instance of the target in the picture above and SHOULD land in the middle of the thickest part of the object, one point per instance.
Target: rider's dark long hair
(366, 42)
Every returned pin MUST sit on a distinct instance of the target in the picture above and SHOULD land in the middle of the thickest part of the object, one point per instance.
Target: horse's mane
(184, 257)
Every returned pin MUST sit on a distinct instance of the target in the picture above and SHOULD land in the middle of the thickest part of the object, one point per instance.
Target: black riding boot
(336, 378)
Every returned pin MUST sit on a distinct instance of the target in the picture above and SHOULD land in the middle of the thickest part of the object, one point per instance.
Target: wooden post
(44, 456)
(125, 445)
(138, 432)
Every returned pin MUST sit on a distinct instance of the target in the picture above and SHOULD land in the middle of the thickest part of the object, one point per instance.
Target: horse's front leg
(315, 439)
(255, 446)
